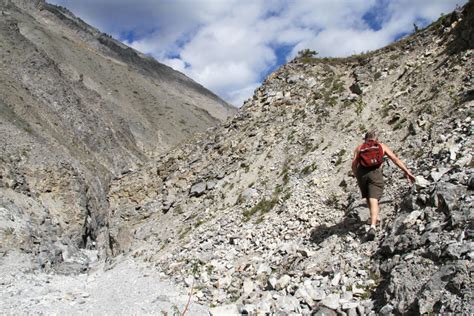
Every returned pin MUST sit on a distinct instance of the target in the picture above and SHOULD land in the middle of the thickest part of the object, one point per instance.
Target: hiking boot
(371, 234)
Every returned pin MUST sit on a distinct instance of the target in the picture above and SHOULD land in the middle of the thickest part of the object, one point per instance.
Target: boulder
(446, 197)
(324, 311)
(356, 88)
(282, 282)
(331, 301)
(288, 304)
(198, 189)
(230, 309)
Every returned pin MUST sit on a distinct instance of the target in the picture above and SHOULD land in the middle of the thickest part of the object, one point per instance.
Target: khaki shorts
(370, 182)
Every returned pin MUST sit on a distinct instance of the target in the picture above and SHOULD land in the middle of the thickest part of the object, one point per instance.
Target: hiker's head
(371, 135)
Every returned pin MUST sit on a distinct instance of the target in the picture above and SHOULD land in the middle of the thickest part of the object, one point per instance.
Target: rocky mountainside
(78, 108)
(262, 214)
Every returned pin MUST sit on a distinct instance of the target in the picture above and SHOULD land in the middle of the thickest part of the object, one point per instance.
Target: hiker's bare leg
(374, 210)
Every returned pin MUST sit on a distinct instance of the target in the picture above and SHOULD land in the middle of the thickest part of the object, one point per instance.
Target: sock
(372, 226)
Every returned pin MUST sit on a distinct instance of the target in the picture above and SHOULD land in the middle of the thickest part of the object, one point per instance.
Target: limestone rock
(198, 189)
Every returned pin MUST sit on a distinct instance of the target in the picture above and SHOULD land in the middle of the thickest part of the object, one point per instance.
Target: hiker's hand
(410, 177)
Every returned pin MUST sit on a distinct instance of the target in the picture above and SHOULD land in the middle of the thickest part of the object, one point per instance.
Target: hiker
(367, 168)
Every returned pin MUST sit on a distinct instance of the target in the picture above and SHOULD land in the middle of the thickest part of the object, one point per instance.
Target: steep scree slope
(76, 109)
(262, 214)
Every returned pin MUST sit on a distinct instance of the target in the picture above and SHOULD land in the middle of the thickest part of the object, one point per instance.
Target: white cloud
(345, 42)
(241, 95)
(175, 63)
(227, 46)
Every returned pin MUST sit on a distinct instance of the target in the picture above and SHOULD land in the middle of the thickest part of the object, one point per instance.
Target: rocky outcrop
(426, 253)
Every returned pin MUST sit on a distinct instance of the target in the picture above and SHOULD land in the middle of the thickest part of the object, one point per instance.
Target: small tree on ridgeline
(307, 53)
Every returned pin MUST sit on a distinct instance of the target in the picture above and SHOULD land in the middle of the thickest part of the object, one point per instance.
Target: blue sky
(230, 46)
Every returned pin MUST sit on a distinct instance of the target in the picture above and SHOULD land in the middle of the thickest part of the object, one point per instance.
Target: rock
(331, 301)
(421, 182)
(350, 305)
(211, 185)
(408, 203)
(189, 281)
(272, 283)
(311, 82)
(362, 214)
(230, 309)
(352, 312)
(432, 291)
(249, 193)
(293, 79)
(248, 309)
(437, 175)
(264, 268)
(446, 197)
(316, 294)
(198, 189)
(324, 311)
(282, 282)
(453, 151)
(304, 252)
(386, 310)
(289, 248)
(264, 306)
(224, 282)
(456, 250)
(248, 287)
(470, 182)
(287, 304)
(303, 217)
(336, 279)
(456, 219)
(346, 296)
(168, 203)
(356, 88)
(410, 220)
(303, 295)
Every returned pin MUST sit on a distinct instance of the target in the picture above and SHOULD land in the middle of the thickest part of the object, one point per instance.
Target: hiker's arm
(398, 162)
(355, 161)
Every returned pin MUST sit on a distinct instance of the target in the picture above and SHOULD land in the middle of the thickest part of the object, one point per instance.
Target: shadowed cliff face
(77, 109)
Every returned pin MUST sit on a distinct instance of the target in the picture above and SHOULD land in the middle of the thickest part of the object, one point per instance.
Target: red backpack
(371, 154)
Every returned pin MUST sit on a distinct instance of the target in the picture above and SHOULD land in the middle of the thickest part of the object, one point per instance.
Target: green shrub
(262, 207)
(332, 200)
(399, 124)
(340, 154)
(184, 232)
(309, 169)
(360, 105)
(199, 223)
(385, 110)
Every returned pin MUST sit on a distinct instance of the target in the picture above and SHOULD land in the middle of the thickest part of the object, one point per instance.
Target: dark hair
(371, 135)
